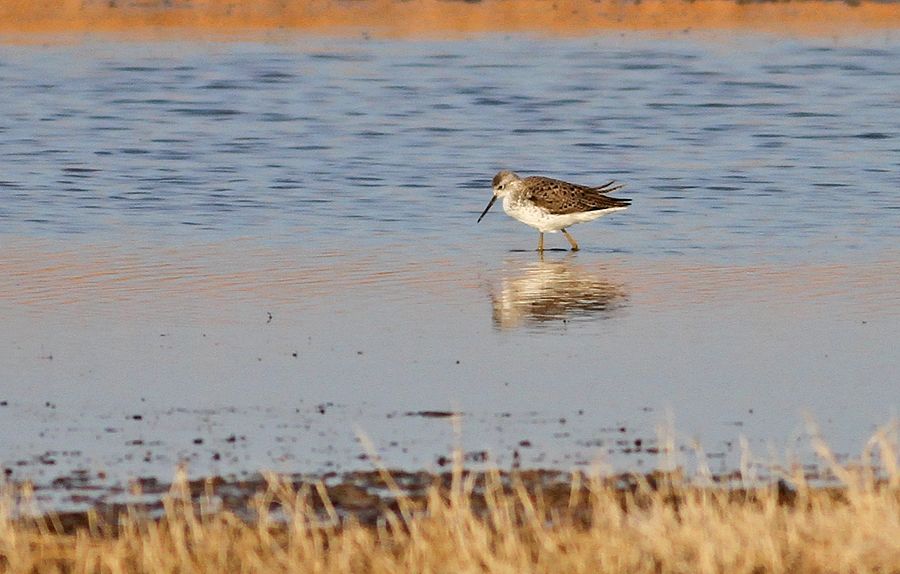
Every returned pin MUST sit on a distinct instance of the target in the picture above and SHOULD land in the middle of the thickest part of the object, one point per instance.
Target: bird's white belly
(547, 222)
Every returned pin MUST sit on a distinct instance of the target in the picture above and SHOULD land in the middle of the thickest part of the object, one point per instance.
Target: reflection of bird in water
(550, 205)
(551, 291)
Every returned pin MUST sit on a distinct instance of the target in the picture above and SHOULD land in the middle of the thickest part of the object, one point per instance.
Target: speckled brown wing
(561, 197)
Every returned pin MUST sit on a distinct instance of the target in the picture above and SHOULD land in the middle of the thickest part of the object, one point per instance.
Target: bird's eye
(502, 185)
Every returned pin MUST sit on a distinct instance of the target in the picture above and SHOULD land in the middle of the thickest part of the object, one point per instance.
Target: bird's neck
(514, 196)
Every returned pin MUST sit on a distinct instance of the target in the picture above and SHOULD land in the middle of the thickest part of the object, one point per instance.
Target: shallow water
(240, 254)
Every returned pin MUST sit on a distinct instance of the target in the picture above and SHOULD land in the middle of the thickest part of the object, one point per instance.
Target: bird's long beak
(486, 209)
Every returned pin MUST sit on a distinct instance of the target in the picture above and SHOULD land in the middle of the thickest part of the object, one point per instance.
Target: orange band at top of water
(417, 18)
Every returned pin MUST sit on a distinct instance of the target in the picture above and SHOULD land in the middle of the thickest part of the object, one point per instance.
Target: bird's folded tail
(609, 187)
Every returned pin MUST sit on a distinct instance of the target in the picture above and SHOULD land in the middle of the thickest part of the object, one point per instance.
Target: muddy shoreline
(523, 521)
(366, 497)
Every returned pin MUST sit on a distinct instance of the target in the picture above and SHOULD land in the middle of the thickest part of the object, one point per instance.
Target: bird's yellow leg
(541, 242)
(571, 239)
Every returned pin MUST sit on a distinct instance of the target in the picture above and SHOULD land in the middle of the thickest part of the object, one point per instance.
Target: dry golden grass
(404, 18)
(488, 522)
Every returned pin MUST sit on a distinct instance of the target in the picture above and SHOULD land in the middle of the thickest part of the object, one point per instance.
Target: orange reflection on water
(869, 286)
(442, 17)
(49, 277)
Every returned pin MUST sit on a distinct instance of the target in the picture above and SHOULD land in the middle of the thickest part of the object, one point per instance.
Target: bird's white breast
(546, 222)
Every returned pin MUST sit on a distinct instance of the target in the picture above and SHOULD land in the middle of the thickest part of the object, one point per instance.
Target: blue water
(741, 149)
(158, 201)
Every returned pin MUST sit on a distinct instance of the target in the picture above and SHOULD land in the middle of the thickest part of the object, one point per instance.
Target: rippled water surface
(239, 254)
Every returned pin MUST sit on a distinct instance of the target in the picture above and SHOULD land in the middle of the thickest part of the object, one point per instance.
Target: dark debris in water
(432, 414)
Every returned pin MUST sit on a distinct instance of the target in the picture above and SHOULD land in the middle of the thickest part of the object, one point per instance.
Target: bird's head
(503, 184)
